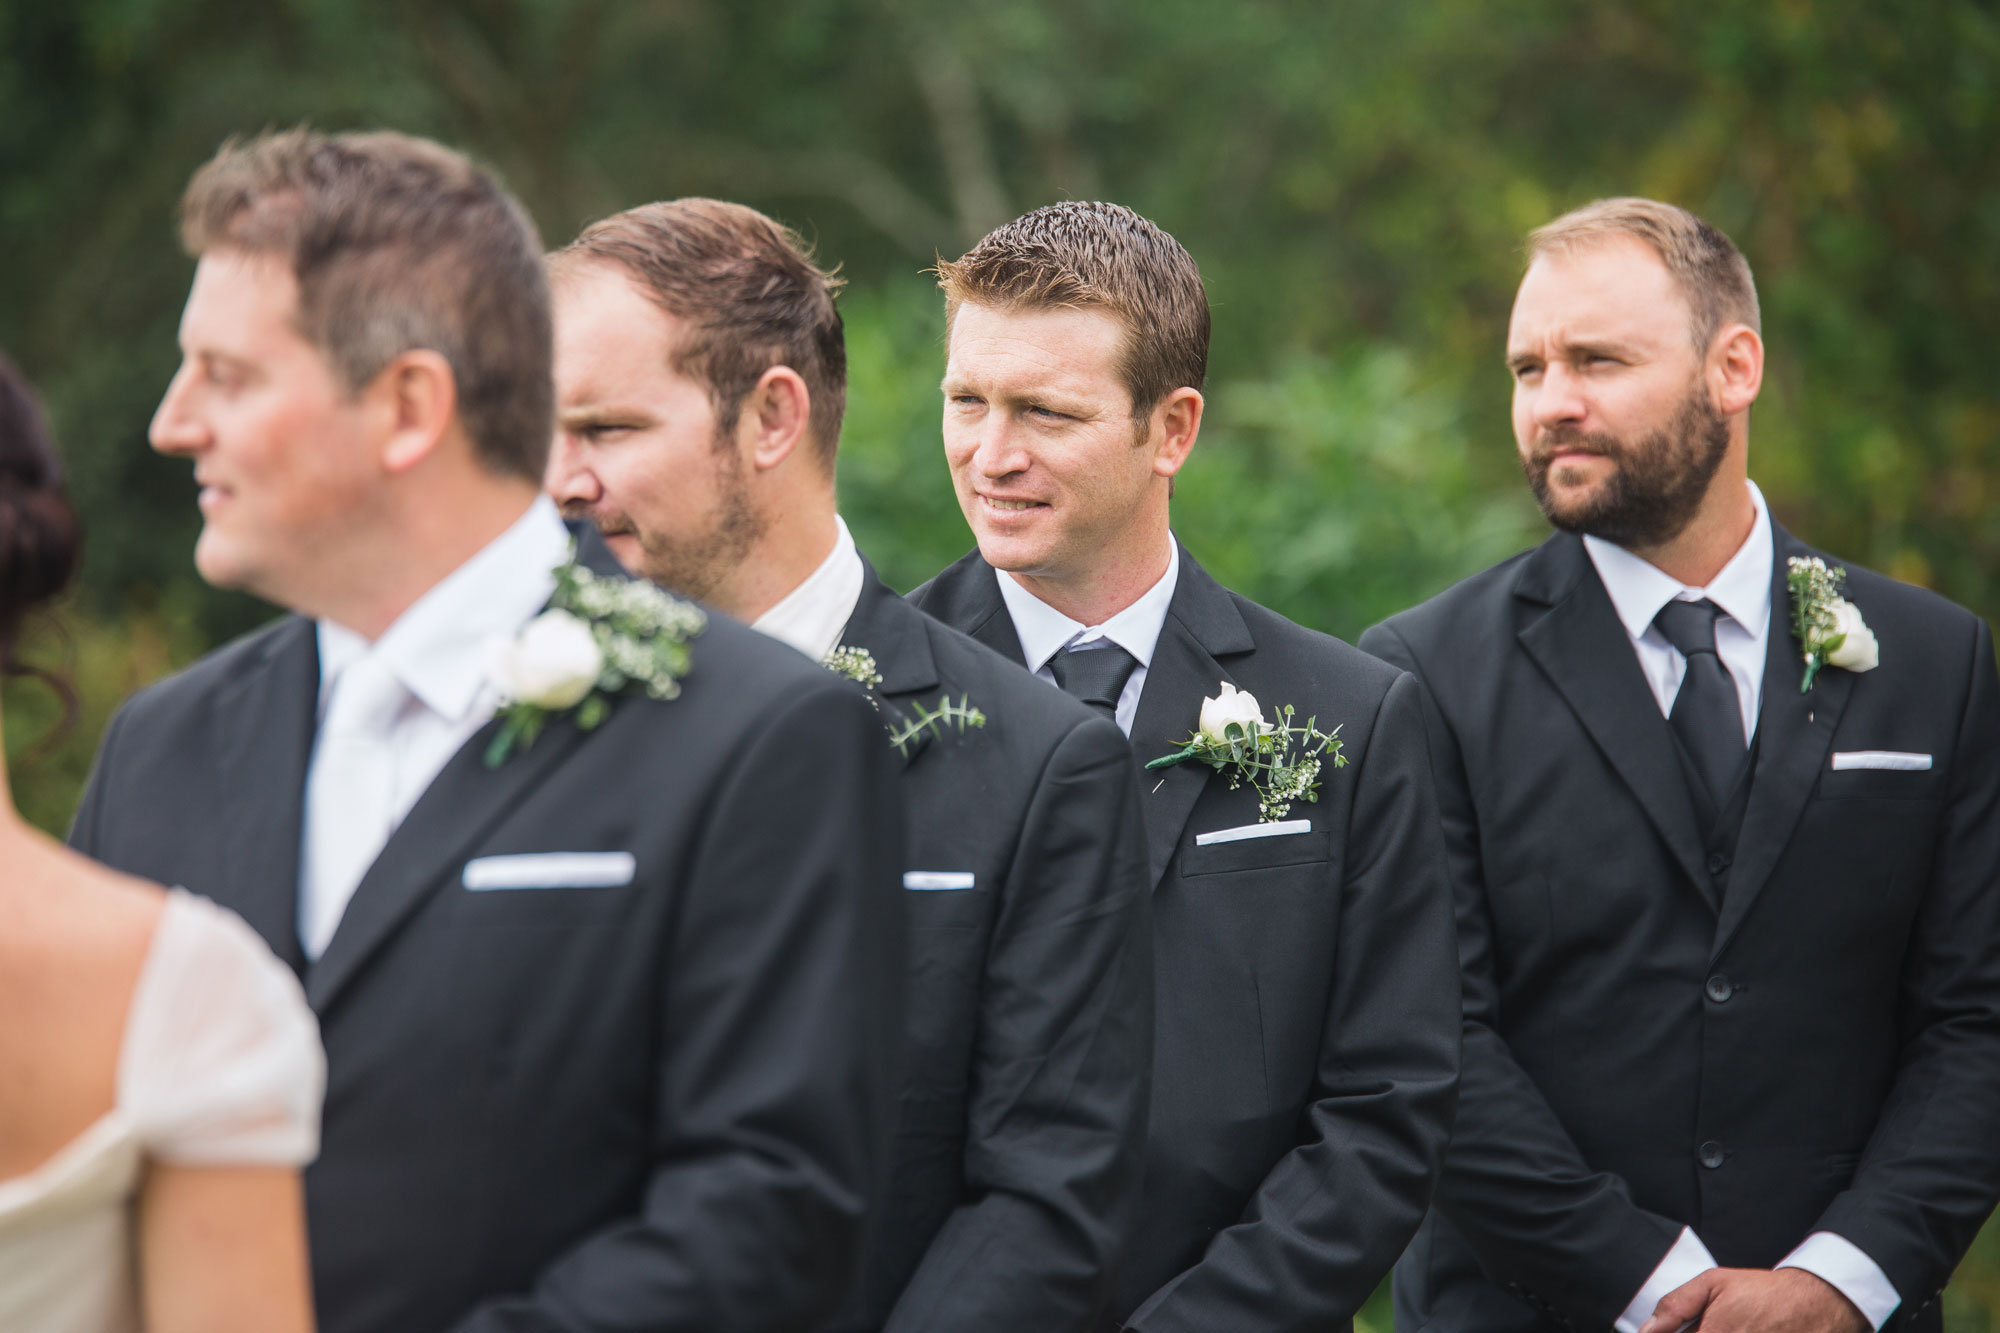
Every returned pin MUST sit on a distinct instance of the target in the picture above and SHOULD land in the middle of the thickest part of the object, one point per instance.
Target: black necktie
(1096, 675)
(1706, 715)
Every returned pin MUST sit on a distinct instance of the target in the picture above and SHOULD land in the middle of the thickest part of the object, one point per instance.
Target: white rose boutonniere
(1829, 628)
(553, 663)
(1280, 760)
(1232, 707)
(599, 638)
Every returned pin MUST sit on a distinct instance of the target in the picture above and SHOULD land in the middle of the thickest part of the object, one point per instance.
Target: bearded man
(1725, 828)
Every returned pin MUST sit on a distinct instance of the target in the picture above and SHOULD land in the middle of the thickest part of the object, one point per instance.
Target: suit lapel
(265, 722)
(465, 802)
(1795, 733)
(893, 632)
(1584, 650)
(1202, 626)
(966, 596)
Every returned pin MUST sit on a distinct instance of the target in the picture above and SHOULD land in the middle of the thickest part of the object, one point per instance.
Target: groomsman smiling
(1307, 987)
(701, 376)
(1724, 819)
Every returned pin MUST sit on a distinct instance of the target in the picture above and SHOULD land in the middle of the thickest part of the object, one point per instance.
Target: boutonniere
(600, 637)
(1829, 628)
(858, 665)
(1280, 760)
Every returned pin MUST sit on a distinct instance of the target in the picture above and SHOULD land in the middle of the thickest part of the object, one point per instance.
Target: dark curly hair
(39, 540)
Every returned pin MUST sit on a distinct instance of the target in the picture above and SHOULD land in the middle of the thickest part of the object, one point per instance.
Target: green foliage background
(1354, 177)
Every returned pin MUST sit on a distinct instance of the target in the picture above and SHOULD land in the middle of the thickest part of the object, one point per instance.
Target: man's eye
(964, 400)
(1049, 414)
(1526, 372)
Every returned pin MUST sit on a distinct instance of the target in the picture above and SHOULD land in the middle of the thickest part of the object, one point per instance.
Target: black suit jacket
(1812, 1045)
(1306, 996)
(1016, 1178)
(664, 1105)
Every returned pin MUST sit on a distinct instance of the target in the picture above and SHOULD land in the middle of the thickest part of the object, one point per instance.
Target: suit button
(1719, 988)
(1712, 1154)
(1717, 863)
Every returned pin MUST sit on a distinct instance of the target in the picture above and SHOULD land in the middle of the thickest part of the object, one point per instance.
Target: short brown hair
(397, 243)
(1076, 255)
(751, 295)
(1705, 264)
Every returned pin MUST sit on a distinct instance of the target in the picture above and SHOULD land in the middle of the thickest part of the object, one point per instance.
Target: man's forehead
(1064, 346)
(1614, 288)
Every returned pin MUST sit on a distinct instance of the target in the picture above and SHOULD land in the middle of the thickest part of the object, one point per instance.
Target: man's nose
(1558, 400)
(1000, 452)
(567, 480)
(175, 429)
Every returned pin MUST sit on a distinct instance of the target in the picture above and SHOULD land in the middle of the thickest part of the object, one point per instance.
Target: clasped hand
(1756, 1300)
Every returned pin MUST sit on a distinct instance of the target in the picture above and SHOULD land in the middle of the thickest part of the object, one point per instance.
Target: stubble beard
(1657, 484)
(697, 564)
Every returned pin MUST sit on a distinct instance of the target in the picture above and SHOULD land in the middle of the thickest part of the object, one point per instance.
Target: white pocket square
(933, 880)
(551, 870)
(1278, 830)
(1897, 759)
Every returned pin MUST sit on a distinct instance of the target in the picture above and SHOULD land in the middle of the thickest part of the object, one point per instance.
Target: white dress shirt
(1742, 633)
(1046, 631)
(1742, 638)
(437, 650)
(812, 616)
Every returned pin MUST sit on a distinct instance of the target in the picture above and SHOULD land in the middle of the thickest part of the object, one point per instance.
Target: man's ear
(1176, 423)
(1736, 368)
(414, 402)
(777, 416)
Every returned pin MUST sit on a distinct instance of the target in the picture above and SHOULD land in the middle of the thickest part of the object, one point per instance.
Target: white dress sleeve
(222, 1063)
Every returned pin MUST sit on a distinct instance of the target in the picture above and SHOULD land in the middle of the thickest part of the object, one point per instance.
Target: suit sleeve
(780, 1019)
(1057, 1116)
(1931, 1171)
(1544, 1223)
(1332, 1215)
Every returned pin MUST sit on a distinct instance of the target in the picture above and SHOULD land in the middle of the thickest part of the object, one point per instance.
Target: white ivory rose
(1858, 650)
(553, 663)
(1232, 705)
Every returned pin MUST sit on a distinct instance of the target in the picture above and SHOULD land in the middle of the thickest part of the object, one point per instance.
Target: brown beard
(694, 564)
(1657, 484)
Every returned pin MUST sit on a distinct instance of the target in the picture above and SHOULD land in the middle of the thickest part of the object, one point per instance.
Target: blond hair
(1076, 255)
(1705, 264)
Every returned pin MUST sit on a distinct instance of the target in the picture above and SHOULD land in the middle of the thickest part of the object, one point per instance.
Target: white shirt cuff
(1687, 1260)
(1842, 1265)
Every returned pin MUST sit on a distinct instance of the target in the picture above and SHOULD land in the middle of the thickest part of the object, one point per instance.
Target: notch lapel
(265, 722)
(1202, 626)
(1795, 735)
(892, 630)
(465, 802)
(966, 596)
(1583, 649)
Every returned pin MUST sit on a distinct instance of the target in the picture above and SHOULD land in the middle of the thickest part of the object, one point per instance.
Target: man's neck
(1701, 550)
(1092, 596)
(430, 543)
(792, 548)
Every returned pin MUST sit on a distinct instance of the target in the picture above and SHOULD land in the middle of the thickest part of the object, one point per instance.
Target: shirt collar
(1639, 589)
(438, 648)
(812, 616)
(1046, 631)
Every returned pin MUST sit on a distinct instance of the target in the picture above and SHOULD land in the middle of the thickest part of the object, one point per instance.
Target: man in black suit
(609, 1018)
(1306, 1002)
(701, 376)
(1730, 926)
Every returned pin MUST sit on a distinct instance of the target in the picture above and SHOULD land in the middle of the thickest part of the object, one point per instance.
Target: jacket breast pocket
(1251, 847)
(1880, 784)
